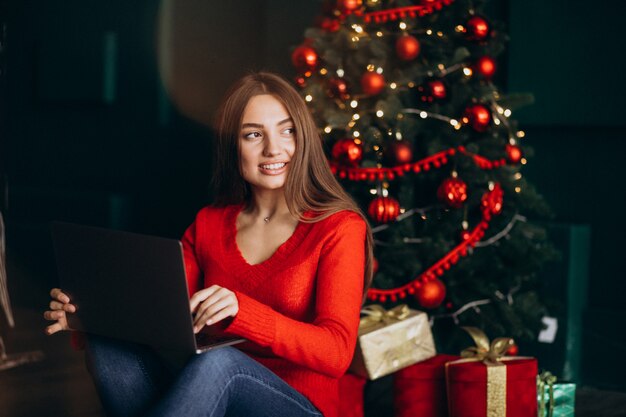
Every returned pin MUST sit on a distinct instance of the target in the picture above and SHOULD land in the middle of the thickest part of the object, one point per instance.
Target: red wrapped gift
(420, 389)
(351, 395)
(486, 384)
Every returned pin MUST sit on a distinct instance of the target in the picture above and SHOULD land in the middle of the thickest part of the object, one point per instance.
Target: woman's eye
(252, 135)
(289, 131)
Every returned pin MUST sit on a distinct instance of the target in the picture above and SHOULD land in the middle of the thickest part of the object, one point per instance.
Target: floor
(59, 385)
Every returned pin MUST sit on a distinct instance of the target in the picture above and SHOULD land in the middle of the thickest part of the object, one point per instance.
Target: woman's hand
(212, 305)
(59, 307)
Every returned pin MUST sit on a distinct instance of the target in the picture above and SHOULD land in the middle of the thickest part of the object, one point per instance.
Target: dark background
(106, 107)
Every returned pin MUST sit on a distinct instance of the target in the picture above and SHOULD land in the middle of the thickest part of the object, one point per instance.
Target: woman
(282, 258)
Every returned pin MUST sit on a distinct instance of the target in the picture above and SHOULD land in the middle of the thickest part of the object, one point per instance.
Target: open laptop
(131, 287)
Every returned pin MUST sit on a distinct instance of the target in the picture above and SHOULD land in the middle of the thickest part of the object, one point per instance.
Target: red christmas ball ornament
(513, 153)
(372, 83)
(432, 90)
(465, 235)
(513, 350)
(431, 294)
(492, 201)
(477, 116)
(407, 47)
(477, 28)
(349, 5)
(301, 82)
(486, 66)
(374, 265)
(304, 58)
(400, 152)
(337, 87)
(452, 192)
(384, 209)
(347, 152)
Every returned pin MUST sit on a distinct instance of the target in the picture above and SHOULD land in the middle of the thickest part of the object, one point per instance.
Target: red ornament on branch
(338, 88)
(372, 83)
(407, 47)
(486, 66)
(349, 5)
(347, 152)
(384, 209)
(400, 152)
(513, 350)
(478, 117)
(431, 294)
(513, 153)
(432, 90)
(453, 192)
(304, 58)
(477, 28)
(492, 201)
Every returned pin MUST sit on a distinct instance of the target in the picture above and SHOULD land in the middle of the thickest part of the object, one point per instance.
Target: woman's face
(267, 142)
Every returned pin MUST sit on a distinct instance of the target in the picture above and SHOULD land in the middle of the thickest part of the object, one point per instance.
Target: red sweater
(300, 308)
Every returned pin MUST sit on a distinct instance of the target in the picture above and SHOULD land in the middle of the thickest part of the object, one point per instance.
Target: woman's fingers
(220, 304)
(55, 305)
(53, 328)
(54, 315)
(57, 294)
(201, 296)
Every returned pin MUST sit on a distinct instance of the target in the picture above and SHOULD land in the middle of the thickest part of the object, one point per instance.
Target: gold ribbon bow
(488, 353)
(376, 314)
(546, 378)
(491, 355)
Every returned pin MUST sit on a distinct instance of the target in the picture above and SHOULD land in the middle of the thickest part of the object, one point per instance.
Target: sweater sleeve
(326, 344)
(192, 269)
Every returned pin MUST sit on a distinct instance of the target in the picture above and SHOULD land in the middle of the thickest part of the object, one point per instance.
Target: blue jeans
(132, 380)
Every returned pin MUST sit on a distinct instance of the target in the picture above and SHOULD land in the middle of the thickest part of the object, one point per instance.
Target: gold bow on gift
(491, 355)
(375, 314)
(485, 351)
(546, 378)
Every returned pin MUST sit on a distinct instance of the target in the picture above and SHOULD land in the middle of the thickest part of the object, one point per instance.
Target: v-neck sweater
(299, 309)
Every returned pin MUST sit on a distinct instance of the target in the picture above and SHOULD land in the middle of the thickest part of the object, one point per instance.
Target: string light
(459, 28)
(370, 67)
(323, 71)
(393, 86)
(429, 32)
(379, 70)
(380, 113)
(379, 34)
(423, 114)
(328, 129)
(440, 34)
(340, 72)
(354, 104)
(402, 25)
(467, 71)
(496, 121)
(520, 133)
(308, 98)
(399, 135)
(454, 122)
(523, 161)
(356, 116)
(356, 134)
(518, 189)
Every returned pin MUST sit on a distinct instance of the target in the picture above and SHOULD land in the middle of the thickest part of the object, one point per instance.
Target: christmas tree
(419, 134)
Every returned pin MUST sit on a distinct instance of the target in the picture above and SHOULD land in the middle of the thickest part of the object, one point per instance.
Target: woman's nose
(271, 146)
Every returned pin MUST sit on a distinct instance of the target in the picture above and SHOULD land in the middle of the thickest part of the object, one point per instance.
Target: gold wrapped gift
(391, 340)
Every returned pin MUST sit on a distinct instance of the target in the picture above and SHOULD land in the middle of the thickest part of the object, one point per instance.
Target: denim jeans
(132, 380)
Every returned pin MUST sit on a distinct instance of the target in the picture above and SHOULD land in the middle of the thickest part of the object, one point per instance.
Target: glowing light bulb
(467, 72)
(308, 98)
(356, 116)
(379, 34)
(399, 135)
(507, 113)
(402, 25)
(323, 71)
(340, 72)
(328, 129)
(521, 134)
(356, 133)
(379, 70)
(429, 32)
(354, 103)
(496, 122)
(370, 67)
(454, 122)
(518, 189)
(423, 114)
(380, 113)
(393, 86)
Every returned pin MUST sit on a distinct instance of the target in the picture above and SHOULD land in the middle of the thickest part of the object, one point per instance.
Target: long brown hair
(310, 186)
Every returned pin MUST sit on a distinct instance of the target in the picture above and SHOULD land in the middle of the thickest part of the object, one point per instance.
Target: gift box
(391, 340)
(555, 399)
(351, 396)
(420, 389)
(485, 383)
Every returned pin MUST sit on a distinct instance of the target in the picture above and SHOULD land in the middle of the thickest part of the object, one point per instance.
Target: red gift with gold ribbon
(485, 383)
(420, 389)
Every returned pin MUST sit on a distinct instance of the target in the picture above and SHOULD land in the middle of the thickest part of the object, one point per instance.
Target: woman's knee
(219, 363)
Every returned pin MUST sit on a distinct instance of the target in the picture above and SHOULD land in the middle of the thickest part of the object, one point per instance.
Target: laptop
(130, 286)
